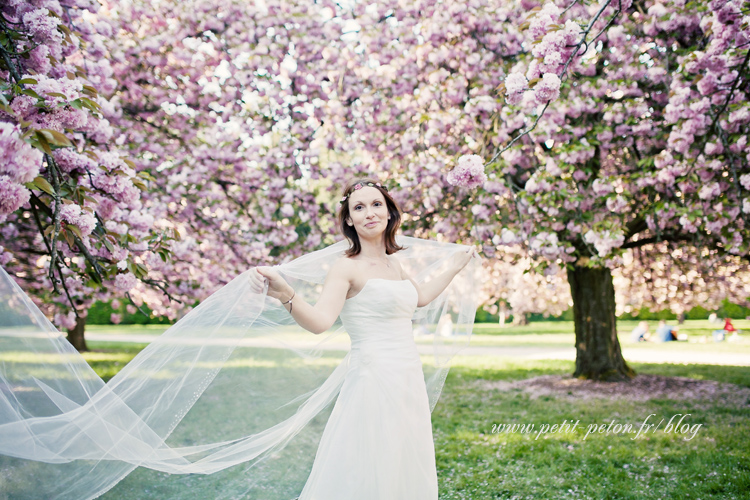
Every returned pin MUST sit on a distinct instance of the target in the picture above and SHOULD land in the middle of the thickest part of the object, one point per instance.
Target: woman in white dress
(377, 444)
(224, 403)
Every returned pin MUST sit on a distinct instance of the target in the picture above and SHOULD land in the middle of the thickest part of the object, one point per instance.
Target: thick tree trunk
(598, 354)
(75, 336)
(520, 319)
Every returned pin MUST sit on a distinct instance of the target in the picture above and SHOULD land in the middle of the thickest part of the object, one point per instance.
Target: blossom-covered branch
(64, 186)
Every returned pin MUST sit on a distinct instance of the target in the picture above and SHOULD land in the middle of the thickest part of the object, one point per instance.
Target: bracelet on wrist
(294, 292)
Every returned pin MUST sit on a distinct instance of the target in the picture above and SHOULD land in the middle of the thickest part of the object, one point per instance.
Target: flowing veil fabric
(230, 402)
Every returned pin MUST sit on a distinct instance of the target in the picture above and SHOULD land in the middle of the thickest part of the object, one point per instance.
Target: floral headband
(359, 185)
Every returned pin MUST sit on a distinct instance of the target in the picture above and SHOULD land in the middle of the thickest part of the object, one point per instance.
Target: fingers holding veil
(258, 282)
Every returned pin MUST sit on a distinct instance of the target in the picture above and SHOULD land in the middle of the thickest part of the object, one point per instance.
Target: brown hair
(390, 231)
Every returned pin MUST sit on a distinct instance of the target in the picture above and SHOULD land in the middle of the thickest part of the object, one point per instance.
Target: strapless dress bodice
(378, 320)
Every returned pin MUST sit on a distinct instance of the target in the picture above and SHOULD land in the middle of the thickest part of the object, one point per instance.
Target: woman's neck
(372, 250)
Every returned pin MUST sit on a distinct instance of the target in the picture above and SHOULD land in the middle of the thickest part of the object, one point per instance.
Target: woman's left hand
(460, 259)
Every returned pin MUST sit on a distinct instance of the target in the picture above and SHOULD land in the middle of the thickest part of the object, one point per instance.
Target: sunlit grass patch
(474, 463)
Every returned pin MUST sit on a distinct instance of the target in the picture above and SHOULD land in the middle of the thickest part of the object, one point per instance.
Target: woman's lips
(370, 224)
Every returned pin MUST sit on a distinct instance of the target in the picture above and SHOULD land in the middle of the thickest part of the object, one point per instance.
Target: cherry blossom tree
(514, 287)
(72, 222)
(635, 139)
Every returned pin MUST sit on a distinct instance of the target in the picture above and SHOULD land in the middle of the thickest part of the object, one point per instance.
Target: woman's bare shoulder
(343, 268)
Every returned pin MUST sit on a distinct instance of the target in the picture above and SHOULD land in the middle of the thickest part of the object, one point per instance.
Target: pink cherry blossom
(469, 172)
(548, 89)
(125, 282)
(12, 195)
(18, 159)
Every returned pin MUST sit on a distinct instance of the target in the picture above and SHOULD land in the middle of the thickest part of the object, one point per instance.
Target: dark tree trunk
(75, 336)
(681, 318)
(598, 354)
(520, 319)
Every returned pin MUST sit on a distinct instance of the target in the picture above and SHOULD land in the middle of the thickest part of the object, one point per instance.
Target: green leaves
(55, 138)
(144, 174)
(75, 229)
(44, 139)
(139, 270)
(85, 102)
(108, 243)
(90, 91)
(42, 183)
(164, 254)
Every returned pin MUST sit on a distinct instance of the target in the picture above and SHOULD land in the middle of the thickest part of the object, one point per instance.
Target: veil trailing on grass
(230, 402)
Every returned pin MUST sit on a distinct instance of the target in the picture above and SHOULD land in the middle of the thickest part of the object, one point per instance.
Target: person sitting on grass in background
(729, 328)
(640, 333)
(668, 333)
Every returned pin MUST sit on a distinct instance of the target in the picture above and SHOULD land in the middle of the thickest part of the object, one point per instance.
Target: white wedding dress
(377, 444)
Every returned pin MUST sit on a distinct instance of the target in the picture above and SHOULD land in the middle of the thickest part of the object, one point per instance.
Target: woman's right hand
(461, 258)
(278, 288)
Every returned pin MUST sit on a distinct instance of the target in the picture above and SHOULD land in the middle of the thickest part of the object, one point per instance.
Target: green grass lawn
(560, 334)
(475, 463)
(550, 334)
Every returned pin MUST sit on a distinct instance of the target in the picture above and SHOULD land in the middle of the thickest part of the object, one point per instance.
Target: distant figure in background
(420, 330)
(721, 334)
(640, 333)
(668, 333)
(445, 326)
(728, 326)
(665, 332)
(718, 335)
(713, 318)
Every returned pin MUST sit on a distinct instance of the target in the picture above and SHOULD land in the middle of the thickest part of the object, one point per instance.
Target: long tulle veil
(230, 402)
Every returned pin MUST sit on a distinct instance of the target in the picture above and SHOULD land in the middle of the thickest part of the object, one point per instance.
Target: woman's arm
(320, 317)
(429, 291)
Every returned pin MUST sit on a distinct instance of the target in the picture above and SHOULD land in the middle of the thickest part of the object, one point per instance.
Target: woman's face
(368, 212)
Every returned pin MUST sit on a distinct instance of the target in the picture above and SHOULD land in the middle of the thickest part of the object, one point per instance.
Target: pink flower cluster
(545, 244)
(469, 172)
(515, 85)
(42, 26)
(604, 241)
(553, 50)
(69, 161)
(74, 214)
(553, 46)
(12, 196)
(548, 89)
(125, 282)
(65, 321)
(19, 162)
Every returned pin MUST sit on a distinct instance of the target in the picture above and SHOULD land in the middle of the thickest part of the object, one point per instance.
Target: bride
(231, 401)
(377, 443)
